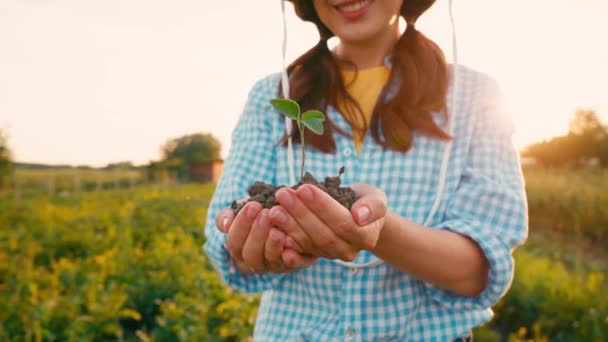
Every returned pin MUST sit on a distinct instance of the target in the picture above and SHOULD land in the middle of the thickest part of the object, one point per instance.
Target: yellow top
(365, 90)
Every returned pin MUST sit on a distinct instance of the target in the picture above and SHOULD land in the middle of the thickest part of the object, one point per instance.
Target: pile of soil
(264, 193)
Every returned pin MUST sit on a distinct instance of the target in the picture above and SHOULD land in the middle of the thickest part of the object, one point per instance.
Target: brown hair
(419, 71)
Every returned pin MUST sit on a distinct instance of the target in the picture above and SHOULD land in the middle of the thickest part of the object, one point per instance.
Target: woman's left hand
(317, 224)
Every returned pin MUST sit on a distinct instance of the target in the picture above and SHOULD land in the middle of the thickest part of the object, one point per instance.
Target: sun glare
(179, 66)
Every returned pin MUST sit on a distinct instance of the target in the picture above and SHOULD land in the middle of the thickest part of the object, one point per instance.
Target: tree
(179, 153)
(558, 151)
(586, 122)
(6, 164)
(192, 148)
(123, 165)
(588, 135)
(587, 139)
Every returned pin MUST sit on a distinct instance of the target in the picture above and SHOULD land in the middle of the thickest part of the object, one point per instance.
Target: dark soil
(263, 193)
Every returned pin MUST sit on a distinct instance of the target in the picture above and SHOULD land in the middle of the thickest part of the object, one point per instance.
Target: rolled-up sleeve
(251, 157)
(489, 205)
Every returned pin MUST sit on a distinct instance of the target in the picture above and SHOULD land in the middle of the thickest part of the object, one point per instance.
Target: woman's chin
(360, 36)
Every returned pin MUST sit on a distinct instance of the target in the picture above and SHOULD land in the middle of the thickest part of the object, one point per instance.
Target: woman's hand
(317, 224)
(255, 245)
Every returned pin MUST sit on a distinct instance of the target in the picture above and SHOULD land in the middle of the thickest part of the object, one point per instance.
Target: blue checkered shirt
(483, 198)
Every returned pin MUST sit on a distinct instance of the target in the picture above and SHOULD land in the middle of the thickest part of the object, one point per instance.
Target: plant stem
(303, 155)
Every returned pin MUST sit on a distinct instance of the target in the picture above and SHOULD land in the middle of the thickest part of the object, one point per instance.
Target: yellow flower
(129, 313)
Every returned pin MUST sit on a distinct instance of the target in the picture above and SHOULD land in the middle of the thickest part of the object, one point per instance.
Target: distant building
(205, 172)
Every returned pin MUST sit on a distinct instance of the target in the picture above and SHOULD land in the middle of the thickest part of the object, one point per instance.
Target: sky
(93, 82)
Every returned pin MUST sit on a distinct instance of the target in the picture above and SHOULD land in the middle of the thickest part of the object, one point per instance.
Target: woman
(425, 252)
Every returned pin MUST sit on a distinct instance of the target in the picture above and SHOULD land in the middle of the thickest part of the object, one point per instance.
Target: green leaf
(315, 125)
(313, 114)
(288, 107)
(313, 119)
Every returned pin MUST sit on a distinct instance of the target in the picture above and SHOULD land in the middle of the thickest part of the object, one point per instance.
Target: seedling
(311, 119)
(264, 193)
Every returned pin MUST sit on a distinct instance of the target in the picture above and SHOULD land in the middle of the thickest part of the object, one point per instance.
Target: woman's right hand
(256, 245)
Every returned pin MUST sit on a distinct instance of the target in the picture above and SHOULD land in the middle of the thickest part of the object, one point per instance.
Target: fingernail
(289, 243)
(225, 223)
(278, 216)
(285, 198)
(252, 211)
(362, 214)
(263, 219)
(305, 193)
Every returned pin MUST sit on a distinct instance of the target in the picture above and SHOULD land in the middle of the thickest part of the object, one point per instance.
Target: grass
(128, 264)
(569, 201)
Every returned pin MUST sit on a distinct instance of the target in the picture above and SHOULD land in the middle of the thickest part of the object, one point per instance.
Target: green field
(573, 201)
(127, 265)
(31, 182)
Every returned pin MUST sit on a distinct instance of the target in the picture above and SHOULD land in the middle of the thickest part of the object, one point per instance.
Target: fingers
(312, 222)
(331, 213)
(272, 251)
(256, 246)
(223, 220)
(296, 237)
(293, 244)
(253, 249)
(323, 238)
(242, 267)
(283, 260)
(294, 260)
(240, 228)
(361, 226)
(335, 216)
(370, 206)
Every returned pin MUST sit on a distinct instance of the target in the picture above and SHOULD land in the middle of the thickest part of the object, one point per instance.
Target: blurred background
(115, 117)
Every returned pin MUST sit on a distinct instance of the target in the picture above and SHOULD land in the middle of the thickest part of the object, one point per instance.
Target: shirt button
(353, 271)
(350, 334)
(347, 152)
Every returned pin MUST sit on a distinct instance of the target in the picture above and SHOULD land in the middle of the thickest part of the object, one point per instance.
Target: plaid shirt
(483, 198)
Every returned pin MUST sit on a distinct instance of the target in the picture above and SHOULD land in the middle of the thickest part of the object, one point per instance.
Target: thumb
(370, 206)
(223, 220)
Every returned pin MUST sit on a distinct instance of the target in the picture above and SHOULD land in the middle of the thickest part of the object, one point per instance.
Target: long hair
(419, 72)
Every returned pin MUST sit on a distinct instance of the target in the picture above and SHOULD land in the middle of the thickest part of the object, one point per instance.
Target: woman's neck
(367, 54)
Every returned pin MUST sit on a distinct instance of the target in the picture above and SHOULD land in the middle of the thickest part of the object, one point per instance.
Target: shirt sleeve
(489, 205)
(251, 157)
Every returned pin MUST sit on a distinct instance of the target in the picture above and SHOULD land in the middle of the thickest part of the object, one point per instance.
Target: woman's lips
(353, 10)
